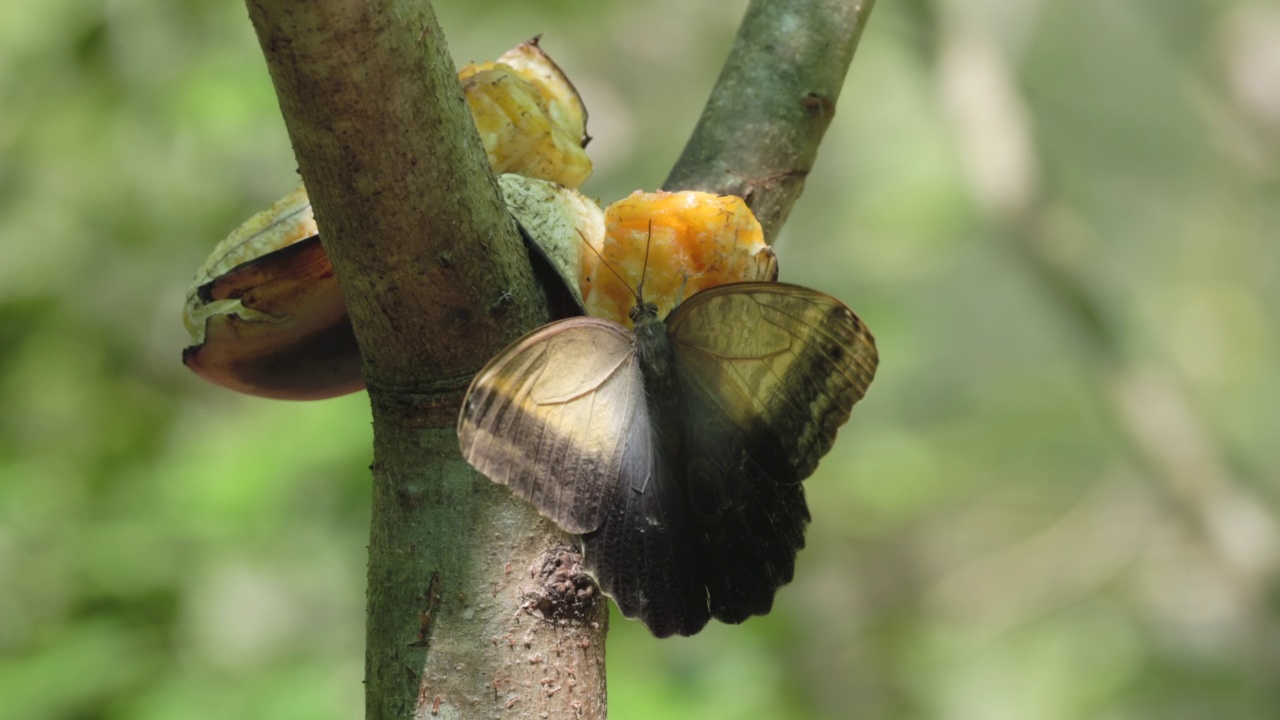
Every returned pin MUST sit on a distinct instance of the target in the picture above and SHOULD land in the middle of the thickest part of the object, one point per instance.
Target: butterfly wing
(643, 555)
(769, 372)
(560, 416)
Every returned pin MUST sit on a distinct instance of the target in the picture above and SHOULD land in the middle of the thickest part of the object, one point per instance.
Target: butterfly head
(643, 312)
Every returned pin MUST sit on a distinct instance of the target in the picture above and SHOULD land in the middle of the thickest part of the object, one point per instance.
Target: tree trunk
(476, 607)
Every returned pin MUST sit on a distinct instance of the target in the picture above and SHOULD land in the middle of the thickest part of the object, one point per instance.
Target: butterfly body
(658, 365)
(677, 449)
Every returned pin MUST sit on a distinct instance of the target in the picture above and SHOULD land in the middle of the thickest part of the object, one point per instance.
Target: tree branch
(759, 133)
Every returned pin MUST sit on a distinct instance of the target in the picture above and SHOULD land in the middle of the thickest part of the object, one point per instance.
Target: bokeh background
(1059, 501)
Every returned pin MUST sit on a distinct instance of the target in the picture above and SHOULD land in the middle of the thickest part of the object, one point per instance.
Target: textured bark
(462, 620)
(759, 133)
(475, 610)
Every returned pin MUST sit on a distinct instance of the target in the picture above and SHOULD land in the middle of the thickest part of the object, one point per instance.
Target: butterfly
(677, 449)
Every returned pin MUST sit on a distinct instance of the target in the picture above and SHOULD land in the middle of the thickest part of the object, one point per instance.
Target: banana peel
(265, 314)
(530, 117)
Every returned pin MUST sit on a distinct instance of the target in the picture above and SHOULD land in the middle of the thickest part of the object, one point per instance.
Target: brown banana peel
(266, 315)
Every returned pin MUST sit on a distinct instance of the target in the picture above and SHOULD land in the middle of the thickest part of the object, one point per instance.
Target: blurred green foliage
(1062, 220)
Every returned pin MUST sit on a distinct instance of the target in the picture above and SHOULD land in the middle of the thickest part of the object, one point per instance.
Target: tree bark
(476, 607)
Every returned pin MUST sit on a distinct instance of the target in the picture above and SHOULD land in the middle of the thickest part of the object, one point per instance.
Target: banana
(679, 242)
(529, 116)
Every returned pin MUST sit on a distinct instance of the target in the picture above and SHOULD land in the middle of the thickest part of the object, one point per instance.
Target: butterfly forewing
(783, 363)
(558, 416)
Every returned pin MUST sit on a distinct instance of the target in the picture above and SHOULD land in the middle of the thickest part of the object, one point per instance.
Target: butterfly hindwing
(769, 372)
(559, 416)
(746, 525)
(643, 557)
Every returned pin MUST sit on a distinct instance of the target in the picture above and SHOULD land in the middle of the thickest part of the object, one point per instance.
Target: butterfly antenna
(610, 267)
(648, 243)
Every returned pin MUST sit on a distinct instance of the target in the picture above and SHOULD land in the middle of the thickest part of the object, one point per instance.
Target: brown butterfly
(676, 450)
